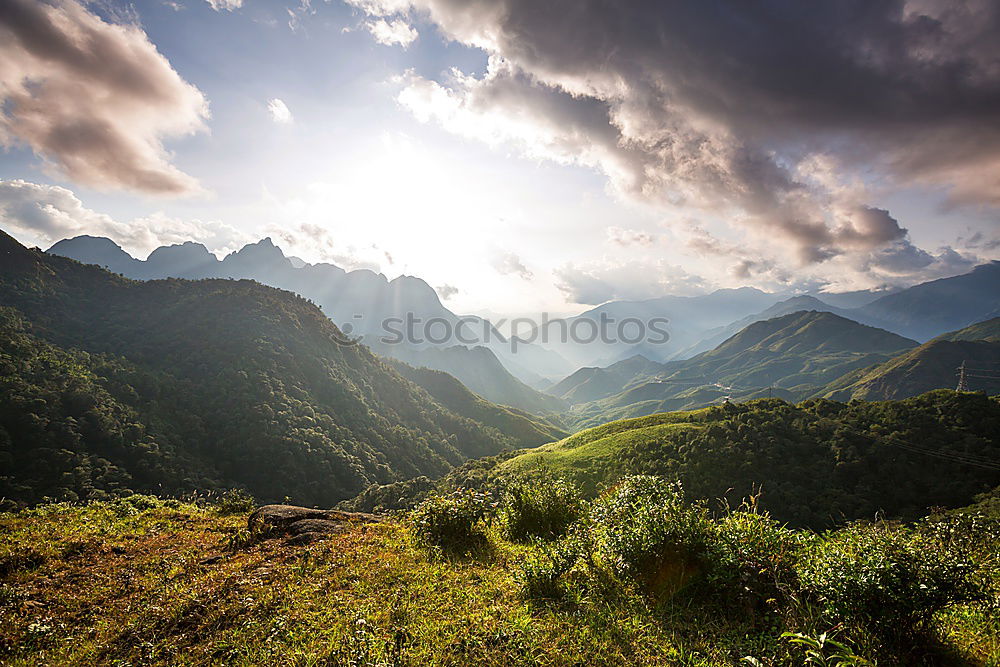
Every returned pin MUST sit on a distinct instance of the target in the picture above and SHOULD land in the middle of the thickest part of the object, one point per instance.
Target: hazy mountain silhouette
(932, 308)
(363, 303)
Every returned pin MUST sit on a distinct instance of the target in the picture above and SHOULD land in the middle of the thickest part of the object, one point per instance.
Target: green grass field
(588, 457)
(147, 582)
(111, 584)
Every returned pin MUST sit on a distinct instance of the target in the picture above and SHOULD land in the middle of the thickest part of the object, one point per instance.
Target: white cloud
(279, 111)
(227, 5)
(49, 213)
(598, 282)
(774, 137)
(507, 263)
(392, 32)
(447, 291)
(627, 237)
(94, 99)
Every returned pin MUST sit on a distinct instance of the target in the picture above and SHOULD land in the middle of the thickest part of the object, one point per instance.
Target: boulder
(303, 524)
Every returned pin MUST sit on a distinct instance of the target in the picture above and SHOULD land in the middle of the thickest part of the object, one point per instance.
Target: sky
(518, 155)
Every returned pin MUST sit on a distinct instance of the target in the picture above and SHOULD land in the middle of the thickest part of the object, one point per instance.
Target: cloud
(297, 15)
(94, 99)
(764, 114)
(606, 281)
(392, 32)
(508, 263)
(447, 291)
(320, 243)
(227, 5)
(49, 213)
(279, 111)
(627, 237)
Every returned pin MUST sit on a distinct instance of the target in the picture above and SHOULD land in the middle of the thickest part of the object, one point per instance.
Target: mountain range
(933, 365)
(788, 356)
(108, 384)
(362, 300)
(363, 303)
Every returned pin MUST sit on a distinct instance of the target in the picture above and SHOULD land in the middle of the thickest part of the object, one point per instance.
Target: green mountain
(787, 357)
(108, 384)
(527, 429)
(933, 365)
(592, 383)
(815, 464)
(479, 369)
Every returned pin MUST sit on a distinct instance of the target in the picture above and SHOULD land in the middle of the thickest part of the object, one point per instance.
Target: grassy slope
(818, 462)
(110, 584)
(588, 457)
(87, 586)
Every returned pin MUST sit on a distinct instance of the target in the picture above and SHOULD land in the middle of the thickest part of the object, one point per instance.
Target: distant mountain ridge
(929, 309)
(933, 365)
(789, 356)
(358, 301)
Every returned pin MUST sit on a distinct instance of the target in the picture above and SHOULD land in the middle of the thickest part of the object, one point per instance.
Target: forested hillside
(109, 384)
(527, 428)
(933, 365)
(816, 464)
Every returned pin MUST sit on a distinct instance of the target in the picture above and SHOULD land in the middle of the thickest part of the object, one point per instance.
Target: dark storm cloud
(93, 98)
(724, 105)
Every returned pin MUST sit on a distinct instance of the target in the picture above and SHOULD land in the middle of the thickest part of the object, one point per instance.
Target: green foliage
(754, 558)
(824, 651)
(235, 501)
(538, 505)
(453, 521)
(525, 429)
(818, 464)
(886, 578)
(541, 573)
(387, 498)
(644, 531)
(76, 581)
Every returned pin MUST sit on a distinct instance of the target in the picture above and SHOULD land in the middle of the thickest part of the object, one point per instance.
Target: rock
(302, 524)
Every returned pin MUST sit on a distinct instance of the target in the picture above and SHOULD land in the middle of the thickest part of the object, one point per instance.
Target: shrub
(235, 501)
(132, 505)
(885, 578)
(754, 557)
(539, 505)
(453, 520)
(645, 532)
(541, 573)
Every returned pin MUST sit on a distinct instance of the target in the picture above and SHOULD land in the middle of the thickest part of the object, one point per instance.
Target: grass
(588, 458)
(156, 583)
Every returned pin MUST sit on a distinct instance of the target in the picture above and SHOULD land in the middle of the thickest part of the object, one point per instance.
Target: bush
(645, 532)
(541, 573)
(132, 505)
(235, 501)
(453, 521)
(887, 579)
(539, 505)
(754, 557)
